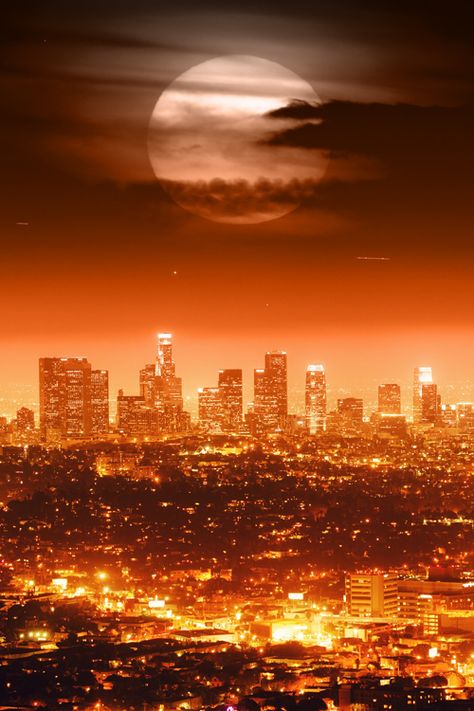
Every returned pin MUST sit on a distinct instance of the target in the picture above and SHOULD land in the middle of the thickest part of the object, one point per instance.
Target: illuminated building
(271, 393)
(168, 387)
(389, 401)
(391, 426)
(210, 410)
(25, 420)
(230, 393)
(429, 402)
(134, 417)
(448, 415)
(147, 384)
(264, 416)
(422, 376)
(99, 402)
(465, 417)
(161, 390)
(65, 397)
(277, 380)
(315, 399)
(372, 595)
(351, 412)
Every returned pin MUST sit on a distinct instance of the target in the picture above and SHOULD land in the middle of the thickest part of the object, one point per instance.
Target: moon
(209, 141)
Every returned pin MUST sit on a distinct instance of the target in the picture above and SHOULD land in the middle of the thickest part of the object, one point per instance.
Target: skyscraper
(271, 393)
(210, 410)
(134, 417)
(429, 402)
(65, 397)
(230, 394)
(350, 411)
(277, 382)
(389, 400)
(25, 420)
(168, 387)
(422, 375)
(147, 384)
(99, 402)
(315, 399)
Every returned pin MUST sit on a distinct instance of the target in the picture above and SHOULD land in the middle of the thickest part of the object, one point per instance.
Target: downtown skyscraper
(161, 390)
(73, 399)
(422, 376)
(270, 407)
(389, 399)
(220, 408)
(315, 399)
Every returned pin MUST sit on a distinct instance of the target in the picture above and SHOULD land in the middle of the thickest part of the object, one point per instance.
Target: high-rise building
(315, 399)
(25, 420)
(389, 401)
(372, 595)
(465, 416)
(134, 417)
(351, 412)
(277, 382)
(265, 414)
(65, 397)
(271, 393)
(147, 384)
(168, 387)
(230, 394)
(210, 410)
(161, 391)
(422, 376)
(99, 402)
(429, 402)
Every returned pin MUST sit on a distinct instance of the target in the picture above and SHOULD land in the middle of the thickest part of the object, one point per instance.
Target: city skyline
(453, 390)
(420, 403)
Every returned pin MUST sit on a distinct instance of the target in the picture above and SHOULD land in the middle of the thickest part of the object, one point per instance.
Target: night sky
(107, 259)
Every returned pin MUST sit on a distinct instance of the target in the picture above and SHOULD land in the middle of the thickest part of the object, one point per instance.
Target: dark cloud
(296, 109)
(240, 201)
(401, 132)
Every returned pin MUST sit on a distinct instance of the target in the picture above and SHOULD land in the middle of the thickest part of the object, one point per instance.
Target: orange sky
(92, 272)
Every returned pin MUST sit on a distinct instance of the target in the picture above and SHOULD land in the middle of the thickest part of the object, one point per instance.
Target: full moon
(209, 140)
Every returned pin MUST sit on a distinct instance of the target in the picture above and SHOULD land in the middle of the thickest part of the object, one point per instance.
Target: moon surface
(209, 141)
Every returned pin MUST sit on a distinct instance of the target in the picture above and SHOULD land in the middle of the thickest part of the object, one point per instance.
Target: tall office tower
(430, 404)
(277, 382)
(372, 595)
(265, 412)
(230, 393)
(271, 393)
(168, 388)
(351, 412)
(210, 410)
(389, 399)
(65, 397)
(147, 384)
(164, 358)
(421, 376)
(315, 399)
(25, 420)
(99, 402)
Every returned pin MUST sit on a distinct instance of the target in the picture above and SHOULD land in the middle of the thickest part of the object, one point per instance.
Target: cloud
(241, 201)
(418, 136)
